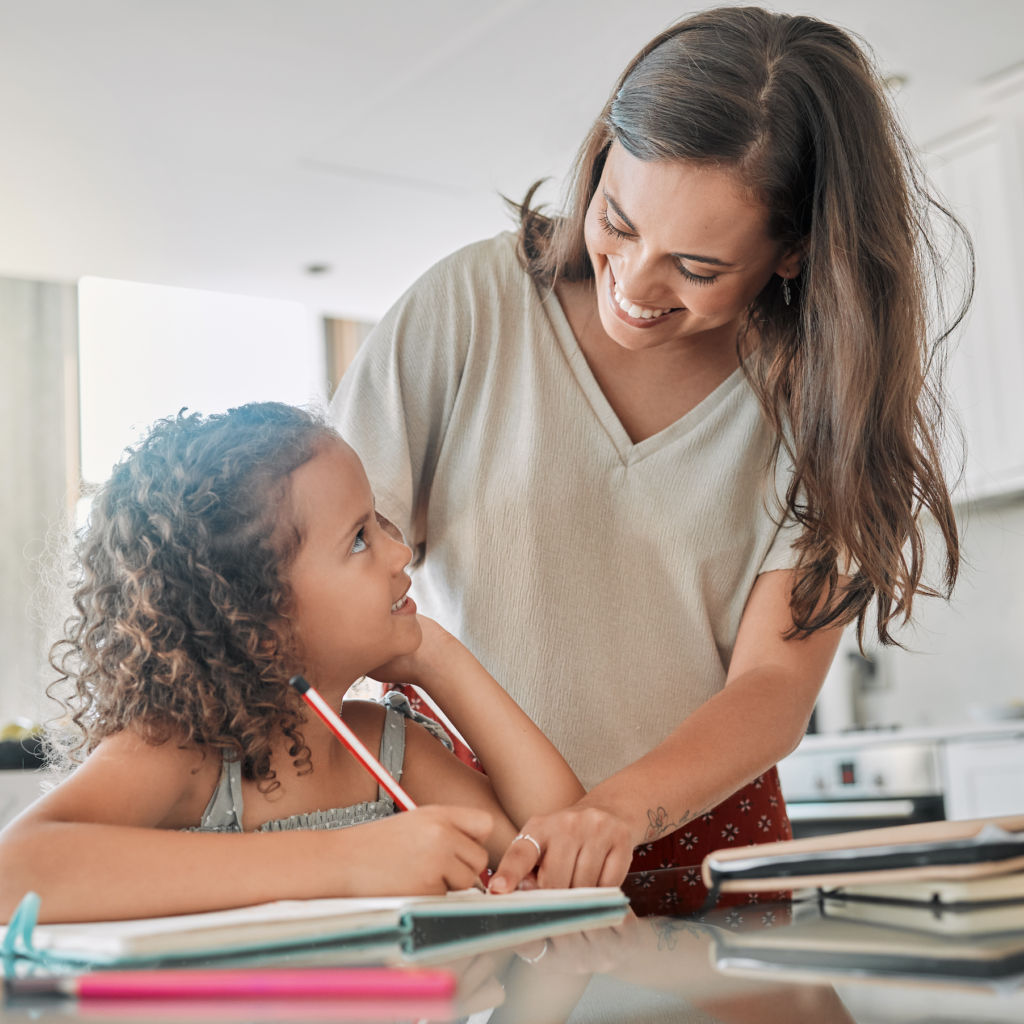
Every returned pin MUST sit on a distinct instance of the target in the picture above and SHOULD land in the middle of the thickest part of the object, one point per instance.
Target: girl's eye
(610, 227)
(696, 278)
(360, 542)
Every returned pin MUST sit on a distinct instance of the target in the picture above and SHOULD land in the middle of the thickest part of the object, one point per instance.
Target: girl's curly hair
(181, 604)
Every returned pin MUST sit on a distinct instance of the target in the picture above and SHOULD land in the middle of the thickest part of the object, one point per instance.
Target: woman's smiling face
(349, 610)
(678, 249)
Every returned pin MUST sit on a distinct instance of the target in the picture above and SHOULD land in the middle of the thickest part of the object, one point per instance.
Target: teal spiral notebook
(415, 926)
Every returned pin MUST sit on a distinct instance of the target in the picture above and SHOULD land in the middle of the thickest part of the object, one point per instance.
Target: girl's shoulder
(132, 778)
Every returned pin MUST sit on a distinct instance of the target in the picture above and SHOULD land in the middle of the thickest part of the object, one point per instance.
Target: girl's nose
(401, 555)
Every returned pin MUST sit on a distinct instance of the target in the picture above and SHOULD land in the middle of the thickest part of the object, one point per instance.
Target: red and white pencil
(356, 746)
(333, 721)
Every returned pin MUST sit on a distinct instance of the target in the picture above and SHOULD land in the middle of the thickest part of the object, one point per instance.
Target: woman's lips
(634, 321)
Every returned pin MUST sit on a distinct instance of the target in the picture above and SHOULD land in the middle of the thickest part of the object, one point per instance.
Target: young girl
(224, 555)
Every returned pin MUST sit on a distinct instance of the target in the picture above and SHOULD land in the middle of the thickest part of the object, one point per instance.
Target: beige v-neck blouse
(601, 582)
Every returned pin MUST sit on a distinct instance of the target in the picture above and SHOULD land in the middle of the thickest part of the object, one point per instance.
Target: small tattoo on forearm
(659, 824)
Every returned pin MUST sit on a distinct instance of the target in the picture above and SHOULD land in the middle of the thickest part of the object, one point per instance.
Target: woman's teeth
(638, 312)
(401, 601)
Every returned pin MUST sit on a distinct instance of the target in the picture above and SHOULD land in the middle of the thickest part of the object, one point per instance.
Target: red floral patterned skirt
(665, 875)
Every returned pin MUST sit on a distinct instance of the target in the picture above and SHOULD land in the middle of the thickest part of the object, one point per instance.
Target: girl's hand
(426, 664)
(427, 851)
(579, 846)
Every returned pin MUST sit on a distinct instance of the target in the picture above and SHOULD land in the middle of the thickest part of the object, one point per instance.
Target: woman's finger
(590, 862)
(556, 868)
(616, 866)
(520, 859)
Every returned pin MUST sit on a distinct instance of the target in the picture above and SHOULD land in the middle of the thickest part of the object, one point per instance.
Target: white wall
(966, 652)
(971, 650)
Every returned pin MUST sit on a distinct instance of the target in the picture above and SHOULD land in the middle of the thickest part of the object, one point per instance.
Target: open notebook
(414, 926)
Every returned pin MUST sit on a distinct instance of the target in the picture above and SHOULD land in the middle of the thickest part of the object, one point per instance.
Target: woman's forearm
(739, 734)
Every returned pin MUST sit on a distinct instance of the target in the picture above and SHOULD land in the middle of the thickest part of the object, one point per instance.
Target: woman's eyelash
(697, 279)
(360, 542)
(611, 228)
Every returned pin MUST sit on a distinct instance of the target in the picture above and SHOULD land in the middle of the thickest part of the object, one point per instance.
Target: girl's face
(349, 611)
(682, 246)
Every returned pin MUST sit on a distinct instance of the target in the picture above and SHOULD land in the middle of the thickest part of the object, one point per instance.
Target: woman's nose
(635, 276)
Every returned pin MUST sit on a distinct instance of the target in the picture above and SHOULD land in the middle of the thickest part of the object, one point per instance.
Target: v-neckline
(628, 452)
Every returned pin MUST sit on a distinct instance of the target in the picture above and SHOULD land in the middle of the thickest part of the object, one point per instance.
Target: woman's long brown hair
(848, 374)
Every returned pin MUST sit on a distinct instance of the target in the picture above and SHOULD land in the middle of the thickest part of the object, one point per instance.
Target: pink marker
(270, 983)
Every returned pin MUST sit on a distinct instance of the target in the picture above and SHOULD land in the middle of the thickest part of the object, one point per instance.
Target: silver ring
(540, 853)
(539, 956)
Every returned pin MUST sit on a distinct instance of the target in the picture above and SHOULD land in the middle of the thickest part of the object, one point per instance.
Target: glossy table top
(656, 970)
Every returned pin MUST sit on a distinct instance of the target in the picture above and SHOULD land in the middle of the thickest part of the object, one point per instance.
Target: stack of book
(936, 899)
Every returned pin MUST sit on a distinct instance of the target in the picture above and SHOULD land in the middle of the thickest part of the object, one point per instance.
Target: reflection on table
(784, 963)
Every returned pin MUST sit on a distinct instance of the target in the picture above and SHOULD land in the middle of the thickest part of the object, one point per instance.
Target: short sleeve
(395, 400)
(783, 553)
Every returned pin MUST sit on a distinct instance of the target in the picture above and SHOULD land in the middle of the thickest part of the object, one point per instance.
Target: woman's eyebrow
(692, 257)
(618, 210)
(710, 260)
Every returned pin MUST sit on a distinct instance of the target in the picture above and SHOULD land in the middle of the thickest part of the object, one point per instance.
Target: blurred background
(203, 203)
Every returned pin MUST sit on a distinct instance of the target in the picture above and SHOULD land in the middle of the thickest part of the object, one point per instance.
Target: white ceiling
(227, 144)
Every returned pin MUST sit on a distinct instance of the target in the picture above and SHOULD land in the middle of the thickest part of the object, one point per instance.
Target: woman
(654, 454)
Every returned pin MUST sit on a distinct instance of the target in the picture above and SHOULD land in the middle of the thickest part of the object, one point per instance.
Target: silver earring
(785, 290)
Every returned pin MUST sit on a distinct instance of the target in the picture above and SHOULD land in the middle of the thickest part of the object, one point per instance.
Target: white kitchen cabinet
(980, 173)
(983, 779)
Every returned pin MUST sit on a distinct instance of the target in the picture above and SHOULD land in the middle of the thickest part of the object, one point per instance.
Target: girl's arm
(756, 720)
(92, 850)
(527, 773)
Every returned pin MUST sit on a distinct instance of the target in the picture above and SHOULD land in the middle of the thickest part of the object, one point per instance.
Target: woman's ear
(791, 263)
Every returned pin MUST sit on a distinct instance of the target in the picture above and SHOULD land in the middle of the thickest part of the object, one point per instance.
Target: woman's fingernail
(498, 885)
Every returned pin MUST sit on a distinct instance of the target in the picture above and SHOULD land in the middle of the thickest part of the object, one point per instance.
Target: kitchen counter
(933, 733)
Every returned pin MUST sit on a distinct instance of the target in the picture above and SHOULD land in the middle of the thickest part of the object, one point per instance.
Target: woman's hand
(579, 846)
